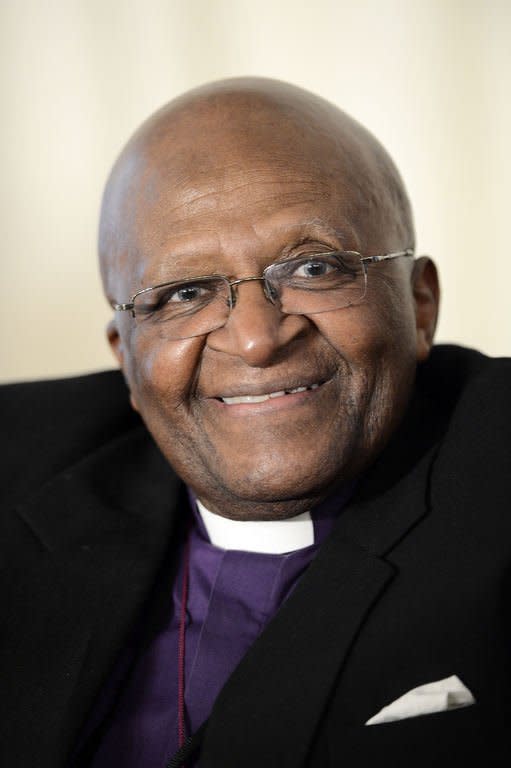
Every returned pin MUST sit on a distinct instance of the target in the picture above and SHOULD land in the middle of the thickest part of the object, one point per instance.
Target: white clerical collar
(271, 537)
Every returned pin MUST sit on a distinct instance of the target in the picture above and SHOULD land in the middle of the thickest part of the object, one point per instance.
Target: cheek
(356, 334)
(161, 373)
(380, 332)
(377, 342)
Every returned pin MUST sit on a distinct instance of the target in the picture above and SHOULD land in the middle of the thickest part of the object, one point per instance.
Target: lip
(252, 399)
(273, 404)
(272, 387)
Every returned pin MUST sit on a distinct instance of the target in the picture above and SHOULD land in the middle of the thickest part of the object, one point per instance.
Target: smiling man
(293, 548)
(227, 181)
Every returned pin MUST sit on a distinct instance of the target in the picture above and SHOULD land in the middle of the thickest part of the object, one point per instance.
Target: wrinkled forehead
(202, 168)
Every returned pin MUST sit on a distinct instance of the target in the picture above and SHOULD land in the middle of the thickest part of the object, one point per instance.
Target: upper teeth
(262, 398)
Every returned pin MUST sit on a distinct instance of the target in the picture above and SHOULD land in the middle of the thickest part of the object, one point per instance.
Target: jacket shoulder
(453, 373)
(49, 425)
(474, 460)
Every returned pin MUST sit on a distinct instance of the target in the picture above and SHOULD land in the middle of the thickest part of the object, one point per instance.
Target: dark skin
(229, 179)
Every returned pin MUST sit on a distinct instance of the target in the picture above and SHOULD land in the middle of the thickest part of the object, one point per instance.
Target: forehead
(233, 193)
(193, 200)
(238, 216)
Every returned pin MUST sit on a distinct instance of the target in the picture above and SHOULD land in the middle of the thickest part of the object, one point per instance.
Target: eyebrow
(321, 227)
(183, 260)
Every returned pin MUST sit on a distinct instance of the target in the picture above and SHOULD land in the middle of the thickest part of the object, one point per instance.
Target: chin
(280, 479)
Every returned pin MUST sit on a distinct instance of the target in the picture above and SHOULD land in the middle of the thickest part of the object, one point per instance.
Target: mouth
(261, 398)
(275, 399)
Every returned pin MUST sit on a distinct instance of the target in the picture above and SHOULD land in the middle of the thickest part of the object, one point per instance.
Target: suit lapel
(92, 547)
(270, 709)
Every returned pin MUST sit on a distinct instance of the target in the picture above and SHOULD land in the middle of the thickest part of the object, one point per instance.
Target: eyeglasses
(304, 285)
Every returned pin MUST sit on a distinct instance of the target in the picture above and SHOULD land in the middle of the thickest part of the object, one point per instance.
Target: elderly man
(297, 551)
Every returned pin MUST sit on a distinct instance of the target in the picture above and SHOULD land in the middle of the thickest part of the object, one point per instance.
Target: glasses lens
(188, 308)
(317, 283)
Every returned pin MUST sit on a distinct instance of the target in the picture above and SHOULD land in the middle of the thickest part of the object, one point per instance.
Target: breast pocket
(448, 738)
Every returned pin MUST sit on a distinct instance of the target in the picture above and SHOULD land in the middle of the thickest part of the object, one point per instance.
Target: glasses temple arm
(386, 257)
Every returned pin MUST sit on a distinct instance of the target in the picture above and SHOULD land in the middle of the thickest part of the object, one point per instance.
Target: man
(321, 526)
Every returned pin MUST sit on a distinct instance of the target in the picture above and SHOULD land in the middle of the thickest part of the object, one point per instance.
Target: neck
(249, 510)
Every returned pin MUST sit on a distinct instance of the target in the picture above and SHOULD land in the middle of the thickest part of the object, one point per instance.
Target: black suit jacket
(413, 585)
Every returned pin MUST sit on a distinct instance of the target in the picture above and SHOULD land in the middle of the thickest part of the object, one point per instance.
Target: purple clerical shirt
(232, 596)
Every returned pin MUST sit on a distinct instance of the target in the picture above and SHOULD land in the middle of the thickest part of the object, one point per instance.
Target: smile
(244, 399)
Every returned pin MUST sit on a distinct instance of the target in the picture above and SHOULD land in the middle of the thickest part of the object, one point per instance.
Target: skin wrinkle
(193, 201)
(144, 281)
(183, 264)
(227, 179)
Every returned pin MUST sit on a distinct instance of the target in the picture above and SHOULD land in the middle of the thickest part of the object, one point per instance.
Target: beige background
(429, 77)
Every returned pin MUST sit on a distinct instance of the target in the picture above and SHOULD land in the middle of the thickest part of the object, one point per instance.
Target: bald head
(226, 133)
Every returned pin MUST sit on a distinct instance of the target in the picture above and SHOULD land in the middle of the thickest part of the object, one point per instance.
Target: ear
(114, 339)
(426, 294)
(117, 347)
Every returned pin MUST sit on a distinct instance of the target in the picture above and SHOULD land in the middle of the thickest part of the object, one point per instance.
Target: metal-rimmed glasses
(303, 285)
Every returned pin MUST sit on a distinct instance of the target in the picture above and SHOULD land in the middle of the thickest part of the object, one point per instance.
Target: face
(353, 368)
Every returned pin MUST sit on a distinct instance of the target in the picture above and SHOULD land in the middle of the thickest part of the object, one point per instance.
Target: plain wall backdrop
(430, 78)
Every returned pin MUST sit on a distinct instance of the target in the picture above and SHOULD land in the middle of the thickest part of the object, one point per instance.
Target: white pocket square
(439, 696)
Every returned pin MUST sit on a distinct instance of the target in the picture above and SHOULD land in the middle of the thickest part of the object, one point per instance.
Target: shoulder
(83, 403)
(457, 375)
(49, 425)
(475, 453)
(462, 366)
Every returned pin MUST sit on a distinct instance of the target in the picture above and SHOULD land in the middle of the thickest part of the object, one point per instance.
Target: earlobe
(426, 293)
(114, 340)
(133, 403)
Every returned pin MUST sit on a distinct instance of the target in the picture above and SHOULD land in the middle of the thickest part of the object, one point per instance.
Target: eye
(168, 301)
(314, 272)
(185, 293)
(314, 267)
(321, 265)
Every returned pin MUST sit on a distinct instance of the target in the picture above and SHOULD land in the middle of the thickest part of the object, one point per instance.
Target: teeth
(244, 399)
(252, 398)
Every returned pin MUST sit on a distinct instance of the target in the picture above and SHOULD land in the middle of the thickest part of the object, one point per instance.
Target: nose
(256, 330)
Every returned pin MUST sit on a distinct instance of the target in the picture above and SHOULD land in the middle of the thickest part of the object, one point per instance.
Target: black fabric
(412, 586)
